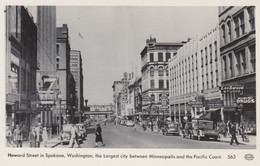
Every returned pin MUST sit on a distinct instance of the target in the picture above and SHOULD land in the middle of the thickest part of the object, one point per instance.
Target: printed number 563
(231, 156)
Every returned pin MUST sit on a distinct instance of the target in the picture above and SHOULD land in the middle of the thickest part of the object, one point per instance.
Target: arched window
(223, 34)
(229, 31)
(224, 68)
(160, 72)
(230, 65)
(151, 71)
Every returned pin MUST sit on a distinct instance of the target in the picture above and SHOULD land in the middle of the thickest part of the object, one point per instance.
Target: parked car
(82, 132)
(88, 122)
(122, 122)
(186, 131)
(65, 134)
(171, 128)
(203, 129)
(129, 123)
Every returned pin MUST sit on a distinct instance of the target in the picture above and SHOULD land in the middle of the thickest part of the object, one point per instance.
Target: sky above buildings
(111, 38)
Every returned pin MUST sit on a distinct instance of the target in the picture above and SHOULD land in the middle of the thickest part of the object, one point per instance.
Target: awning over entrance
(28, 111)
(229, 109)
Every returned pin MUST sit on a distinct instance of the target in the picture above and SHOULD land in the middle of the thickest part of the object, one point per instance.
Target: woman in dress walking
(32, 138)
(44, 137)
(99, 136)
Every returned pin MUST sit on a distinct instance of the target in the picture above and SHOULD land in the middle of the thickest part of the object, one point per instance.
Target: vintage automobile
(65, 134)
(203, 129)
(82, 132)
(171, 128)
(129, 123)
(122, 122)
(186, 131)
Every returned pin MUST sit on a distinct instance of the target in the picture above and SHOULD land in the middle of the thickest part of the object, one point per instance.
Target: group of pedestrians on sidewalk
(36, 136)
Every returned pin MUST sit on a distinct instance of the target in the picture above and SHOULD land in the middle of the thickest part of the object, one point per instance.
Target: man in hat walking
(73, 138)
(38, 131)
(233, 133)
(18, 136)
(99, 135)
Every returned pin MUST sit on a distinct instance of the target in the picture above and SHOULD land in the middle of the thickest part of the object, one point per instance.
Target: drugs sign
(245, 100)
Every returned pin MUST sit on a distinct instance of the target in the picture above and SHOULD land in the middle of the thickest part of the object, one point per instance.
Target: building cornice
(240, 78)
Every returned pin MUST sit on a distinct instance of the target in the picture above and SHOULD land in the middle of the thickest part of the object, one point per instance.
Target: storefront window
(14, 79)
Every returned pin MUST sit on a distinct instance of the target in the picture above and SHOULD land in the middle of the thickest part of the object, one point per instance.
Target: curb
(53, 146)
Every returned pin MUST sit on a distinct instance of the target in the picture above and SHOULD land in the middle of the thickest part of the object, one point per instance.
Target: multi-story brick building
(237, 50)
(117, 88)
(76, 70)
(120, 94)
(66, 82)
(155, 83)
(21, 66)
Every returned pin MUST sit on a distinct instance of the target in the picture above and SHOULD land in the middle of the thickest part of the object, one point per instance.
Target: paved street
(127, 137)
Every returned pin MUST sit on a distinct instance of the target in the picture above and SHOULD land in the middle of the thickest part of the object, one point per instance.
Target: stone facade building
(21, 66)
(238, 59)
(155, 82)
(195, 74)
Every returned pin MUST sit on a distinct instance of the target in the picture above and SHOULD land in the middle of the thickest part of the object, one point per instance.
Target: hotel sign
(47, 96)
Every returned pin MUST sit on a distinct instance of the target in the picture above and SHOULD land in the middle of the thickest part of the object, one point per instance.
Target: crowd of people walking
(36, 136)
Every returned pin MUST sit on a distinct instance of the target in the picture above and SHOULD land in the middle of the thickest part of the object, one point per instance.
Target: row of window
(73, 58)
(204, 53)
(161, 84)
(160, 57)
(159, 97)
(73, 65)
(28, 79)
(184, 74)
(239, 63)
(160, 71)
(235, 28)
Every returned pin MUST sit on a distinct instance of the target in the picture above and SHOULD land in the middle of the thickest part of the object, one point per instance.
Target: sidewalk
(51, 143)
(251, 140)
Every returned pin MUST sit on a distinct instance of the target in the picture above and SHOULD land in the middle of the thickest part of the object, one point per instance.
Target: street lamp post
(59, 99)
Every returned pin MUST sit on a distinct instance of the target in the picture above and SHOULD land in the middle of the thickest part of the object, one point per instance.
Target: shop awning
(213, 109)
(28, 111)
(231, 109)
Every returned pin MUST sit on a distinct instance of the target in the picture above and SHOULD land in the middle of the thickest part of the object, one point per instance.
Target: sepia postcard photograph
(94, 78)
